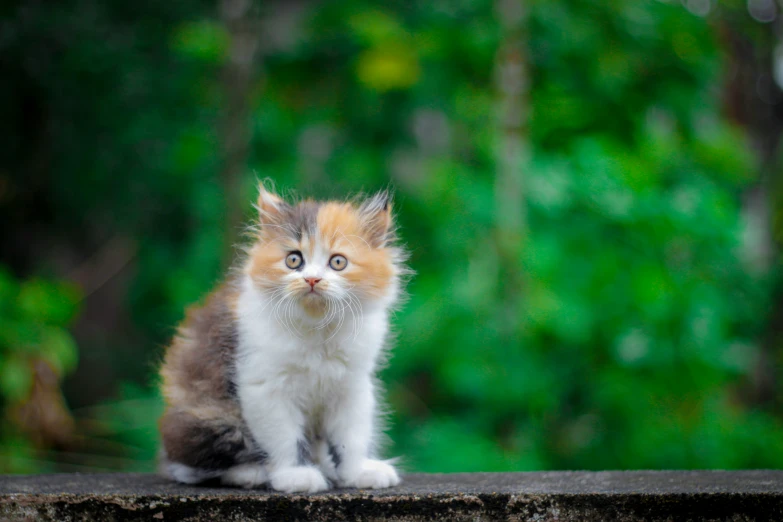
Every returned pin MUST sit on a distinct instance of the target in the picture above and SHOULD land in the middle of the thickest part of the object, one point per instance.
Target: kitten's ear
(269, 204)
(376, 213)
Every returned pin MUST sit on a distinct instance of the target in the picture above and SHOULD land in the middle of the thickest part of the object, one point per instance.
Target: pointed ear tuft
(376, 214)
(269, 204)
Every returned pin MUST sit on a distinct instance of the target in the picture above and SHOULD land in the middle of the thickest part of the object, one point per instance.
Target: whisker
(339, 324)
(360, 311)
(328, 315)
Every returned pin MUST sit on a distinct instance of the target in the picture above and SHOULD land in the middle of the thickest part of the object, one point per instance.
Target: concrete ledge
(561, 496)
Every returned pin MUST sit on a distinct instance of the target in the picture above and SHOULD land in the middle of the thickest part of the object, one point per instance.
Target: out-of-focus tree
(751, 37)
(641, 320)
(106, 165)
(616, 326)
(36, 351)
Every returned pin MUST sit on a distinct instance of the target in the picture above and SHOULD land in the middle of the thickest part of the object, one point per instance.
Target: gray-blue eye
(294, 260)
(338, 262)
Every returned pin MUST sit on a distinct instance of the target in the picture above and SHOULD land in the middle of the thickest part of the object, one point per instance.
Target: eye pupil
(294, 260)
(338, 262)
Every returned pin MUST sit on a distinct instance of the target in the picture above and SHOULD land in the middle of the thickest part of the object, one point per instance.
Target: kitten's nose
(312, 281)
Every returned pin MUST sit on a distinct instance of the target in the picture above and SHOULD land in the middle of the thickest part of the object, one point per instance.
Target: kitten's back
(202, 428)
(199, 363)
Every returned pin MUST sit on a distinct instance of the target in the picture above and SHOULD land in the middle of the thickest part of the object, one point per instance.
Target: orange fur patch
(341, 228)
(338, 223)
(265, 261)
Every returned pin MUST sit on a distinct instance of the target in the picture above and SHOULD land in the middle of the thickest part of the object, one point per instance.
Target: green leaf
(16, 378)
(205, 40)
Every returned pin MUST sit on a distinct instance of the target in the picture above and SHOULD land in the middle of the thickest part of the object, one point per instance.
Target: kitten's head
(326, 256)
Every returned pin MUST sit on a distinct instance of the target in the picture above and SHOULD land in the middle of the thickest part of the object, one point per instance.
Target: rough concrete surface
(562, 496)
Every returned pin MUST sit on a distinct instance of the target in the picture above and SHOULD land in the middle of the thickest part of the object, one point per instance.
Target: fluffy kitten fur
(271, 381)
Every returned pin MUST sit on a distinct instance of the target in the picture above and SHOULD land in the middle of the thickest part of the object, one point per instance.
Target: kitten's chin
(313, 304)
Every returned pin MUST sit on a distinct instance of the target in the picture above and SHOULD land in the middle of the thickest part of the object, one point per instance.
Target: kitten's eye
(338, 262)
(294, 260)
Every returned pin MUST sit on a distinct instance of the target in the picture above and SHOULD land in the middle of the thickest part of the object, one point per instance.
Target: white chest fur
(301, 361)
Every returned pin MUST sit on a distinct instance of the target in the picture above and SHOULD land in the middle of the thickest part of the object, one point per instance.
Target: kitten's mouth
(314, 304)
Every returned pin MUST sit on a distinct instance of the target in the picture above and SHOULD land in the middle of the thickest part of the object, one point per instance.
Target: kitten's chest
(311, 376)
(304, 366)
(317, 364)
(305, 363)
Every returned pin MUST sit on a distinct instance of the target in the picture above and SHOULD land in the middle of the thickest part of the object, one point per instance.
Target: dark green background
(598, 276)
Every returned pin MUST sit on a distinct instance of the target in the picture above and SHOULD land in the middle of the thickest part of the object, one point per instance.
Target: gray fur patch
(303, 455)
(206, 447)
(302, 218)
(335, 454)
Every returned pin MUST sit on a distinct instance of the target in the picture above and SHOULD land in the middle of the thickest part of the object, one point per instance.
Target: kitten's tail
(182, 473)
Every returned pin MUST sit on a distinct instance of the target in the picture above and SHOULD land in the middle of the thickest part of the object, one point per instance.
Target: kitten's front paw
(298, 479)
(374, 474)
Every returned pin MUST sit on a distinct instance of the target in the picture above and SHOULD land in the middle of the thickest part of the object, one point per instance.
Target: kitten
(271, 381)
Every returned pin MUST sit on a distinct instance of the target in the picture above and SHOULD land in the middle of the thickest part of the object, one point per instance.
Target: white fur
(304, 378)
(188, 475)
(299, 478)
(245, 475)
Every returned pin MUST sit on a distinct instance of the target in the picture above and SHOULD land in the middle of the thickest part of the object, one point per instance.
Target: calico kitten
(271, 381)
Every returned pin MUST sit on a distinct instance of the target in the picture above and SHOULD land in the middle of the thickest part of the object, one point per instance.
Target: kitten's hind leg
(197, 449)
(245, 476)
(188, 475)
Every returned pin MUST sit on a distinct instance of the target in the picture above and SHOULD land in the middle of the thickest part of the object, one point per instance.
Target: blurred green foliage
(34, 319)
(35, 315)
(620, 334)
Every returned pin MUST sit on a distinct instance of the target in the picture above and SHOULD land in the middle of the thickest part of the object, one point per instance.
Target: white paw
(246, 476)
(374, 474)
(298, 479)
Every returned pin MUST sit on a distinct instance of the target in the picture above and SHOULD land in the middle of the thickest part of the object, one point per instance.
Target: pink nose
(312, 281)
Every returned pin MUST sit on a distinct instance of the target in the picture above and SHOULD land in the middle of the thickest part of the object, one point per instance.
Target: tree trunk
(238, 74)
(753, 99)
